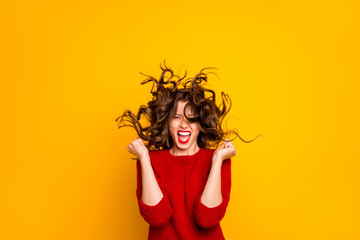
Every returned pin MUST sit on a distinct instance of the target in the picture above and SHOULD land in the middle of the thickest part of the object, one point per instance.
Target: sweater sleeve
(209, 217)
(157, 215)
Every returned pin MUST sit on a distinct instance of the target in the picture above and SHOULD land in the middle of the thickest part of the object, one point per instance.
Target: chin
(184, 146)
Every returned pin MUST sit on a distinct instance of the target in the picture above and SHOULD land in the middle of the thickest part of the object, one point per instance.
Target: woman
(183, 175)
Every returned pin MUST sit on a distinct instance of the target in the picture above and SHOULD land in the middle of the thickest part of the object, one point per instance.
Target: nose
(184, 123)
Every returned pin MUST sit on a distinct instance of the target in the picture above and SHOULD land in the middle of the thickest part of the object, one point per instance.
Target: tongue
(184, 138)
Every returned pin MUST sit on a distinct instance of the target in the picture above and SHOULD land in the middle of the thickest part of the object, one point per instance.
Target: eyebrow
(180, 114)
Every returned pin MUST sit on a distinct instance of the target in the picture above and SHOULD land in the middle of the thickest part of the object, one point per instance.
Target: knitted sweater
(180, 213)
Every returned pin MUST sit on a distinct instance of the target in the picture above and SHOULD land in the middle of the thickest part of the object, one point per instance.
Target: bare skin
(211, 196)
(151, 192)
(179, 123)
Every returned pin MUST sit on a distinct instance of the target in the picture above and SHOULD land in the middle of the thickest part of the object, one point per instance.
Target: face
(183, 132)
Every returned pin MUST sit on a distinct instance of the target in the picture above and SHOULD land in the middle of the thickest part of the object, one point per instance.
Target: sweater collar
(184, 159)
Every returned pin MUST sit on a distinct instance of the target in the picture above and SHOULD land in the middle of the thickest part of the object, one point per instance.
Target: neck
(180, 152)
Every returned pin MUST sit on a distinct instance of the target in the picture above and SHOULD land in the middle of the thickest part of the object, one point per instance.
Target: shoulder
(204, 158)
(158, 153)
(207, 155)
(207, 152)
(158, 157)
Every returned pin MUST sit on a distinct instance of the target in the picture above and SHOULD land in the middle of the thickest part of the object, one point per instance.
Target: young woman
(183, 169)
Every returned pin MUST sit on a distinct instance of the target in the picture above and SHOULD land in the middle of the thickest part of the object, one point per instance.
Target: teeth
(184, 133)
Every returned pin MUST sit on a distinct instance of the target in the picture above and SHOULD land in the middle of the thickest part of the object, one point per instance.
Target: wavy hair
(166, 92)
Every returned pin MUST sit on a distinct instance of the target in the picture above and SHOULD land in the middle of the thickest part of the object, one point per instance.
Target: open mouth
(184, 136)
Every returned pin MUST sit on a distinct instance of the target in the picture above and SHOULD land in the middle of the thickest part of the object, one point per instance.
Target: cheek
(172, 128)
(196, 129)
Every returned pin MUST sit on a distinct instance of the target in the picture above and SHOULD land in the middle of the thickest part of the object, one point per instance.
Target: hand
(137, 147)
(225, 151)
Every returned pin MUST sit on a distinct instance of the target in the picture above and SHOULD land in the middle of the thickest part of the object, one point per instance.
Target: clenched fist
(225, 151)
(137, 147)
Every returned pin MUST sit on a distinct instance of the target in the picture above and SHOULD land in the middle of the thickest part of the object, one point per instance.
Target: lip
(187, 139)
(184, 131)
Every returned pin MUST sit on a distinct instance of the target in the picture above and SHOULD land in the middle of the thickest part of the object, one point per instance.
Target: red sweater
(180, 213)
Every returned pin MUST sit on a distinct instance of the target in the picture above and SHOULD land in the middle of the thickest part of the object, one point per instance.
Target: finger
(129, 148)
(229, 144)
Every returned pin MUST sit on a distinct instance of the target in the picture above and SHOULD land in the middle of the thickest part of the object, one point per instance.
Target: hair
(167, 92)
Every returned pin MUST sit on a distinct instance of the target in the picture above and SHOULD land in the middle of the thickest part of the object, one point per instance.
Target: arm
(153, 203)
(210, 206)
(212, 201)
(211, 196)
(151, 192)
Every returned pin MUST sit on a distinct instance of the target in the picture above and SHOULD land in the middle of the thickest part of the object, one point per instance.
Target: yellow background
(69, 68)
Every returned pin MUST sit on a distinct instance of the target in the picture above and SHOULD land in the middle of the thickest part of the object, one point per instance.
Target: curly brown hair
(167, 91)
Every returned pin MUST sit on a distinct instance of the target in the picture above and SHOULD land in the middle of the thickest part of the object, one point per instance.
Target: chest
(183, 183)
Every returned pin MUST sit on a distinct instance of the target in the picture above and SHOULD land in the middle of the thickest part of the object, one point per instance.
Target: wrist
(144, 158)
(216, 159)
